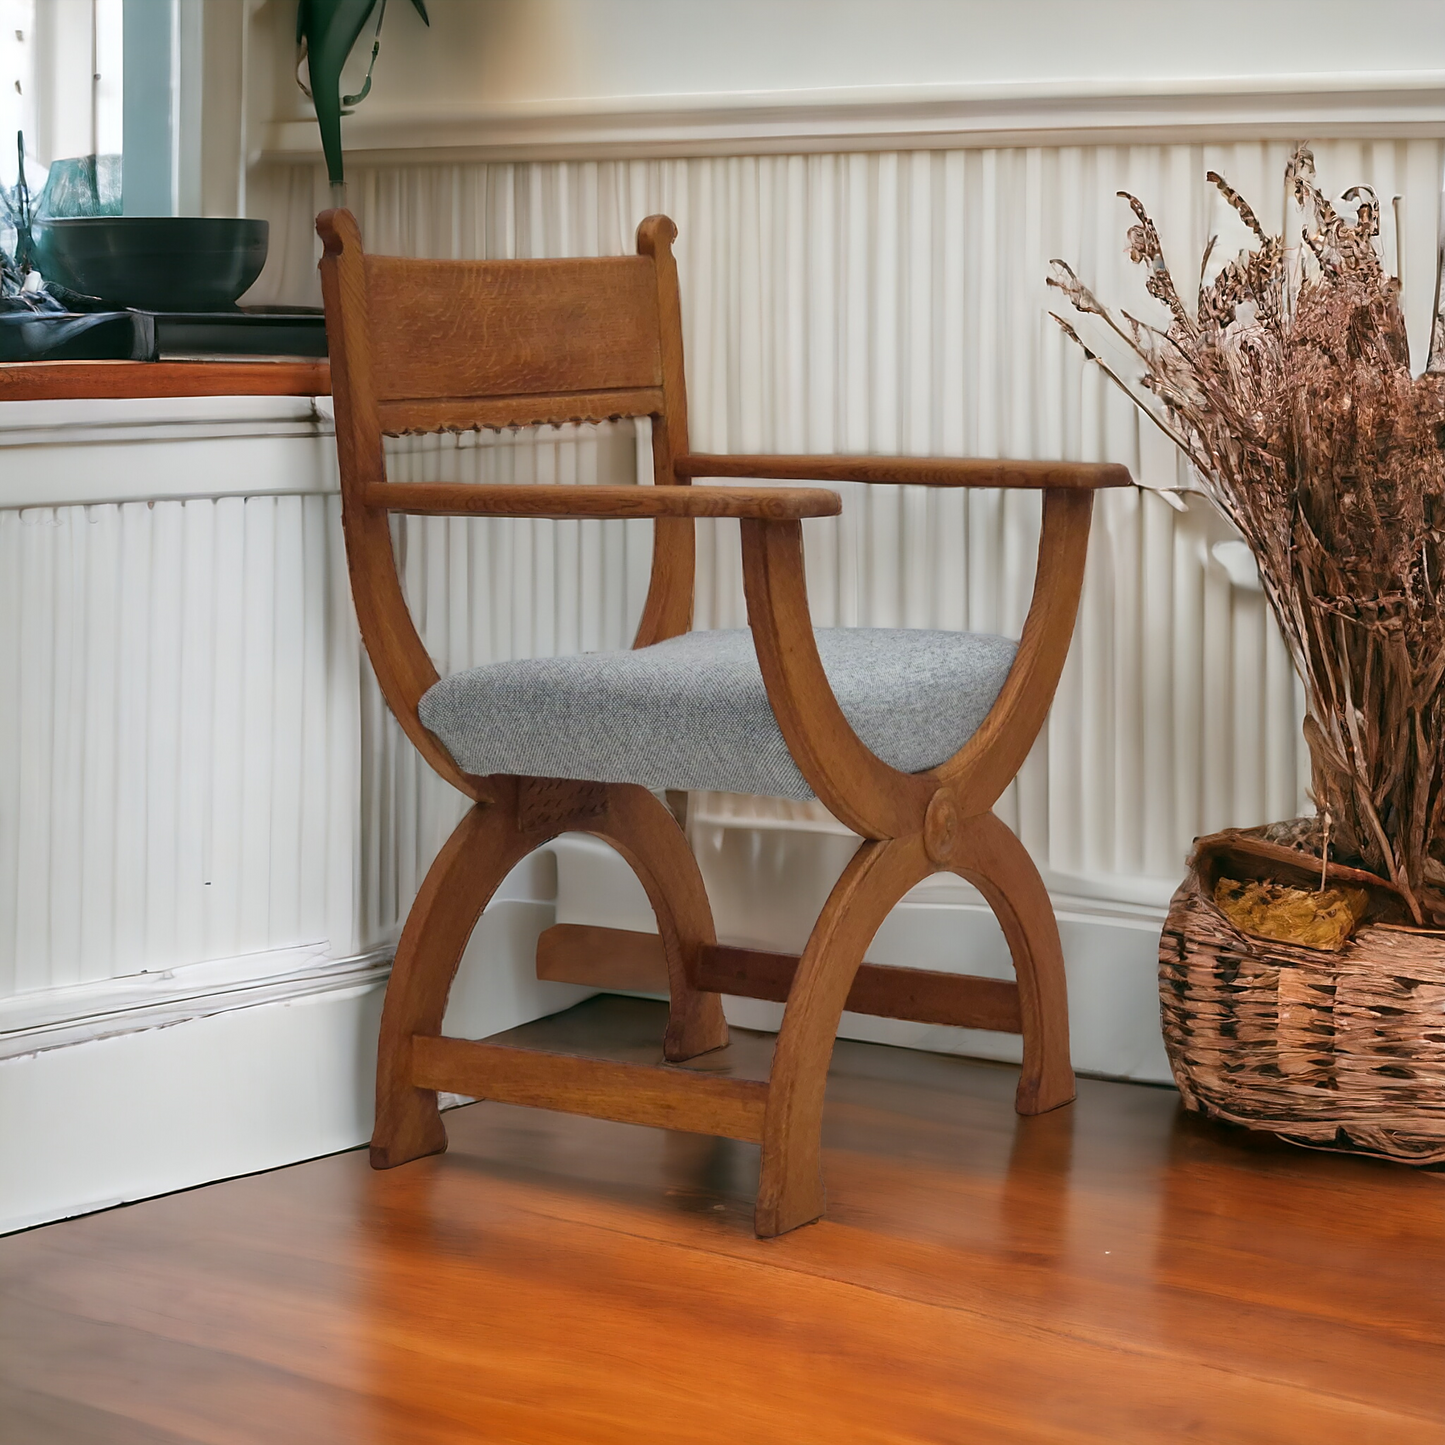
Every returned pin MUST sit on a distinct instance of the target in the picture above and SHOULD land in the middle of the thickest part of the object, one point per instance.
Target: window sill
(51, 380)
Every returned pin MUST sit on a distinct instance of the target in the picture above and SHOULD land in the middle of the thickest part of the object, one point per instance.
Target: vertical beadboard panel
(178, 782)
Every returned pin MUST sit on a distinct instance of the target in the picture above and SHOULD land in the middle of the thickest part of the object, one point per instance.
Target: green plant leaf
(329, 29)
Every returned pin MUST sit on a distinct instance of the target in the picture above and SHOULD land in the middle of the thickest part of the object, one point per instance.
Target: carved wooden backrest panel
(453, 331)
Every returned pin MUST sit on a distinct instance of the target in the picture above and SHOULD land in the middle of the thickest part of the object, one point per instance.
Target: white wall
(615, 79)
(511, 58)
(869, 195)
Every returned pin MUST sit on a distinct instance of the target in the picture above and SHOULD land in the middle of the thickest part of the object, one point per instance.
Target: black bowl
(154, 263)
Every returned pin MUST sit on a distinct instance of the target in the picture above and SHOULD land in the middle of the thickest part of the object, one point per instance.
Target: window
(60, 82)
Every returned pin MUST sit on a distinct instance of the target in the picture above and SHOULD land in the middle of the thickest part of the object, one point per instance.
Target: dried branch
(1289, 391)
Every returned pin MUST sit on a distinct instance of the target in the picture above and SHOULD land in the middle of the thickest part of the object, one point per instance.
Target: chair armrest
(853, 783)
(910, 471)
(767, 504)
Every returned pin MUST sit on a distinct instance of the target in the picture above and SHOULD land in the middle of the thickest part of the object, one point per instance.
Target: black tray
(253, 331)
(162, 335)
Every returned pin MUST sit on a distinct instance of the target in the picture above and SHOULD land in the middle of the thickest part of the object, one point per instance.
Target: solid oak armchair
(908, 737)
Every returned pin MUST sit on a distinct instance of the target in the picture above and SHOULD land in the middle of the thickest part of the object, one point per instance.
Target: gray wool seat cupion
(692, 712)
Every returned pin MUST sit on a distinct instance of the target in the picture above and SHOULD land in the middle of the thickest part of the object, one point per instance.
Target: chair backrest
(427, 346)
(419, 346)
(506, 343)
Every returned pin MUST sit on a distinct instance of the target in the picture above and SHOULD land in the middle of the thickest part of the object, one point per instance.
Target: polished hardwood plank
(1114, 1272)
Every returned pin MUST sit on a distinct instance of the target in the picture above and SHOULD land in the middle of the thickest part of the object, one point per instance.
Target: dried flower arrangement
(1289, 390)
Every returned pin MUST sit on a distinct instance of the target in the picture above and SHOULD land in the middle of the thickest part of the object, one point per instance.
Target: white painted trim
(1105, 111)
(143, 1113)
(268, 1062)
(52, 1018)
(93, 420)
(51, 449)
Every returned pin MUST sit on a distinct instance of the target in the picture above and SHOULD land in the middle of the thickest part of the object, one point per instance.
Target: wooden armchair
(548, 745)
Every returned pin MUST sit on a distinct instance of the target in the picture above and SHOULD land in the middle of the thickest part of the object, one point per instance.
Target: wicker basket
(1334, 1050)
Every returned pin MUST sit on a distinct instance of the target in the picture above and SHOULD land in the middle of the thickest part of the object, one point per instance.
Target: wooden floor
(1112, 1272)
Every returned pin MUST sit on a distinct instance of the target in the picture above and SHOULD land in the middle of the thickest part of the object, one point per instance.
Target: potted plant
(1302, 965)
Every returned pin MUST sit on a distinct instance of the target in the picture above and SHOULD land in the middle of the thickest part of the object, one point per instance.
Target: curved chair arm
(987, 763)
(910, 471)
(852, 782)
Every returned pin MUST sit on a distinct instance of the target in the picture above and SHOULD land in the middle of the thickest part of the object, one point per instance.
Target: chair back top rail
(448, 346)
(444, 330)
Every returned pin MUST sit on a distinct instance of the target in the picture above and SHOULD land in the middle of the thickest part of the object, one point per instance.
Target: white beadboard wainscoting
(209, 827)
(895, 301)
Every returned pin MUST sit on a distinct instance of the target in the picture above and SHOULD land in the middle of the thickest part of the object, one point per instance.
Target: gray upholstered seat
(692, 712)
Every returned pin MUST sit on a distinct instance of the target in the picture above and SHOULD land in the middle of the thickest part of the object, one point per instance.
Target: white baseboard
(146, 1112)
(144, 1097)
(43, 1019)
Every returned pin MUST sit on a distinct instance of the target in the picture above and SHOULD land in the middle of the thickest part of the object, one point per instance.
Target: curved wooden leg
(997, 864)
(647, 835)
(790, 1191)
(485, 847)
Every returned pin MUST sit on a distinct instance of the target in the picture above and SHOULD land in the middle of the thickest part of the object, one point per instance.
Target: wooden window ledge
(60, 380)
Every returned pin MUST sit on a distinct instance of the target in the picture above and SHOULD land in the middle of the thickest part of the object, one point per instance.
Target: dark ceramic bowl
(154, 263)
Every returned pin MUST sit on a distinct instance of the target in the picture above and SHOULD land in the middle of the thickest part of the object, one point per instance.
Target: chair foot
(472, 863)
(699, 1029)
(790, 1202)
(1053, 1094)
(408, 1126)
